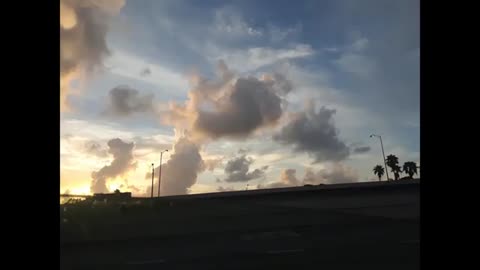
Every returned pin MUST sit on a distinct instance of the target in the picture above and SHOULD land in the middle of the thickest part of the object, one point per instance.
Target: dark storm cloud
(250, 105)
(145, 72)
(237, 170)
(314, 133)
(124, 101)
(361, 149)
(230, 108)
(122, 162)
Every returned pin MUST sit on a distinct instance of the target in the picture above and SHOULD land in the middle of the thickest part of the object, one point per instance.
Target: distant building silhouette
(112, 197)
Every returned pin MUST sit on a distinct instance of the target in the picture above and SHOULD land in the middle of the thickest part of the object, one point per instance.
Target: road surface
(376, 229)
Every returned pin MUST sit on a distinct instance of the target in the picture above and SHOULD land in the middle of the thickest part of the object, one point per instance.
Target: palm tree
(396, 171)
(380, 171)
(392, 162)
(410, 168)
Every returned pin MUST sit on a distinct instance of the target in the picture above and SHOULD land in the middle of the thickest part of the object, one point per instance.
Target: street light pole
(153, 173)
(383, 153)
(160, 171)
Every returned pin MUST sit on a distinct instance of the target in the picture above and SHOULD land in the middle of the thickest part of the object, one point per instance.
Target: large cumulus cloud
(314, 132)
(180, 172)
(238, 170)
(230, 107)
(123, 161)
(83, 30)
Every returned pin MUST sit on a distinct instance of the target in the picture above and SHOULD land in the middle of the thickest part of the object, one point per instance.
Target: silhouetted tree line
(409, 168)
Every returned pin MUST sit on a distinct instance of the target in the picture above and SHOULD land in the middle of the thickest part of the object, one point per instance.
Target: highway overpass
(367, 225)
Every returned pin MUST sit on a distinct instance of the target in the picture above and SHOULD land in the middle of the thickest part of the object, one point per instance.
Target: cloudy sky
(264, 93)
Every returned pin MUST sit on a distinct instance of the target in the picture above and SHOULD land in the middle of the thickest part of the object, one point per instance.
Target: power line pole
(160, 171)
(153, 173)
(383, 153)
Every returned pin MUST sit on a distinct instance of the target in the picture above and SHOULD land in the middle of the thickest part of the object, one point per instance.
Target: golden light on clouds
(68, 17)
(114, 186)
(83, 29)
(83, 190)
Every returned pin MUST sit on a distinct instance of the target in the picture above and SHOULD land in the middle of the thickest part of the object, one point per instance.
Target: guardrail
(75, 196)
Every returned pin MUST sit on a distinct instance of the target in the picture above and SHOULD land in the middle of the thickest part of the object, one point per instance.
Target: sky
(243, 94)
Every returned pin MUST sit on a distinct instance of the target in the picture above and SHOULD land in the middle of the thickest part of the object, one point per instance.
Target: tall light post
(153, 173)
(383, 153)
(160, 171)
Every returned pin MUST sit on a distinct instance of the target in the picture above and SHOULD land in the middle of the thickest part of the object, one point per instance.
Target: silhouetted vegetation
(396, 171)
(392, 162)
(410, 168)
(379, 171)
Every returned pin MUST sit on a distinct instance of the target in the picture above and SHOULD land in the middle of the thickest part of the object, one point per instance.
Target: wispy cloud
(229, 22)
(250, 59)
(357, 64)
(128, 65)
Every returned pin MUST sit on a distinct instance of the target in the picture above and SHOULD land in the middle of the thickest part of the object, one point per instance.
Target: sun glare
(82, 190)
